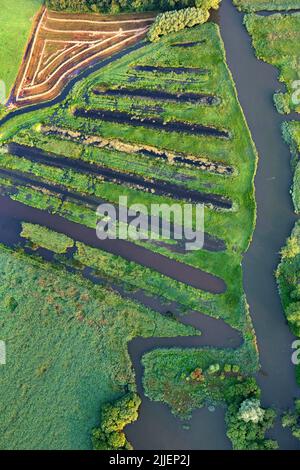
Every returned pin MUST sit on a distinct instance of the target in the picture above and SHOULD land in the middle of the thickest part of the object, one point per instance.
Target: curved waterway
(256, 83)
(156, 427)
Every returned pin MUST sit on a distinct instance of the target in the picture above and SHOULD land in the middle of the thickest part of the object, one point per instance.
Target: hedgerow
(173, 21)
(117, 6)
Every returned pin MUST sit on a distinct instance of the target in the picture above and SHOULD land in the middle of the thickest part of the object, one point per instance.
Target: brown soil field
(63, 44)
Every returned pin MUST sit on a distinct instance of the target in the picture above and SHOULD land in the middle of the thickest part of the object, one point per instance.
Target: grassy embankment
(16, 23)
(66, 352)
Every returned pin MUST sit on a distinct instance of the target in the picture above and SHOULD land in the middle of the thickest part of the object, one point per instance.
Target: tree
(250, 410)
(115, 416)
(173, 21)
(249, 435)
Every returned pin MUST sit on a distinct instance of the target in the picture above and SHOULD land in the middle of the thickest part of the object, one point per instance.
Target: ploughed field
(63, 44)
(162, 124)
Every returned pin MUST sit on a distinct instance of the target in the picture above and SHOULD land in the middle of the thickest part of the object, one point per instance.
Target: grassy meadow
(16, 23)
(259, 5)
(276, 41)
(66, 343)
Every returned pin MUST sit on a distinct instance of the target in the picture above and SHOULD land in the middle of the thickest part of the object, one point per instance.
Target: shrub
(250, 410)
(282, 103)
(45, 238)
(291, 420)
(213, 368)
(173, 21)
(296, 189)
(288, 274)
(115, 416)
(250, 435)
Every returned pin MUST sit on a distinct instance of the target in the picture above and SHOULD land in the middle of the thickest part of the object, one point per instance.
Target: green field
(17, 16)
(120, 319)
(276, 41)
(258, 5)
(66, 353)
(226, 115)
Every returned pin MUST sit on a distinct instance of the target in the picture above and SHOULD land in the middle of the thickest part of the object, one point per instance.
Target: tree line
(118, 6)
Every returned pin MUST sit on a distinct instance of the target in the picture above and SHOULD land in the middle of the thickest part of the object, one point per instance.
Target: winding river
(256, 83)
(156, 427)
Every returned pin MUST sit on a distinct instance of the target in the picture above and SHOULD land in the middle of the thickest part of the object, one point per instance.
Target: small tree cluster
(288, 275)
(115, 416)
(250, 410)
(118, 6)
(173, 21)
(291, 420)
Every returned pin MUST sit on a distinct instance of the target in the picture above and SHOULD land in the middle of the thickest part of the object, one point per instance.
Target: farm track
(175, 270)
(61, 46)
(195, 98)
(160, 188)
(121, 117)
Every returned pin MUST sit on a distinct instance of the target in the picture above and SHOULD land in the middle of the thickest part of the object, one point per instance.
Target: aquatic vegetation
(45, 238)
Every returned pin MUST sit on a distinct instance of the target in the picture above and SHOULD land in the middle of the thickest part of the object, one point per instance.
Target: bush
(173, 21)
(296, 189)
(45, 238)
(282, 103)
(291, 420)
(250, 410)
(250, 435)
(115, 416)
(288, 273)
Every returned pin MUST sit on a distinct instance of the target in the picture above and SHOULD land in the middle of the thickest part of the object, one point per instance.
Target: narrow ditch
(121, 117)
(175, 270)
(176, 70)
(194, 98)
(211, 243)
(159, 187)
(188, 44)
